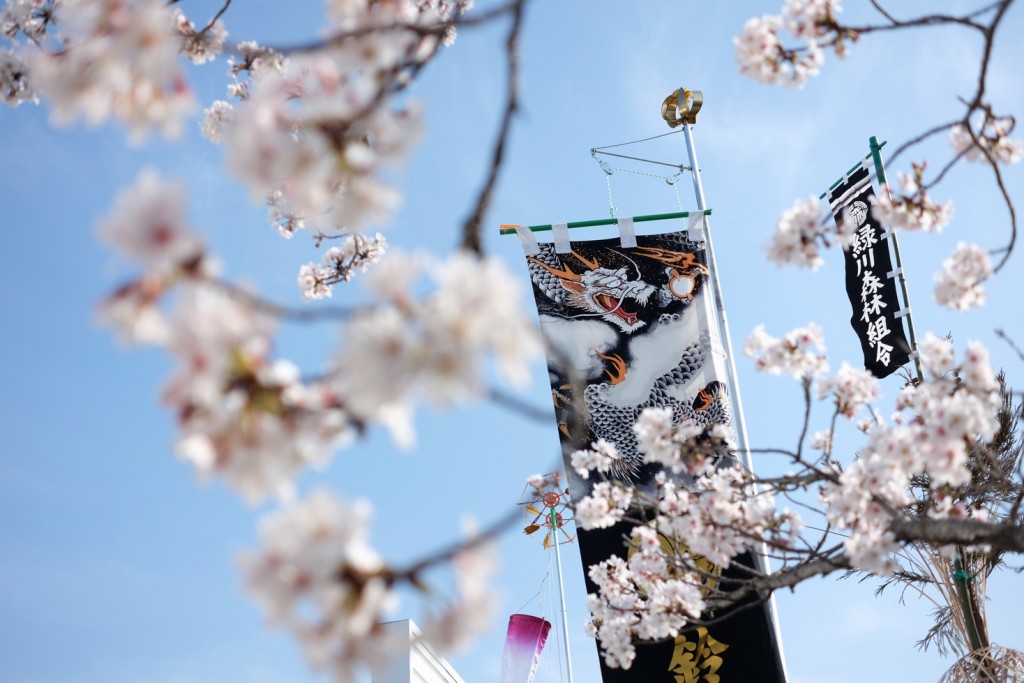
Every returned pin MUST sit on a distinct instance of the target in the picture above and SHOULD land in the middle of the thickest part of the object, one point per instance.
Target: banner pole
(760, 559)
(976, 635)
(876, 155)
(561, 593)
(723, 321)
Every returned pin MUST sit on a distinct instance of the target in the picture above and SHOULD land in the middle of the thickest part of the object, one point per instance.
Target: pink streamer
(523, 645)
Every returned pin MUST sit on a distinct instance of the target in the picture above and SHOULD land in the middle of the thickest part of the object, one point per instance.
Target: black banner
(632, 325)
(870, 278)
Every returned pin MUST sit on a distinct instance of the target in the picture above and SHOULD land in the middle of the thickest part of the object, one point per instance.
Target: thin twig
(472, 229)
(922, 137)
(218, 15)
(281, 311)
(412, 572)
(436, 29)
(945, 169)
(1013, 345)
(882, 11)
(919, 22)
(516, 405)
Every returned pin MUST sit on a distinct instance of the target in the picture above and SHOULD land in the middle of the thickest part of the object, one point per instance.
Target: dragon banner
(628, 325)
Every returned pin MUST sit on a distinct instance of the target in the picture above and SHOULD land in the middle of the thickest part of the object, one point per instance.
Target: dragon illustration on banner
(621, 322)
(629, 328)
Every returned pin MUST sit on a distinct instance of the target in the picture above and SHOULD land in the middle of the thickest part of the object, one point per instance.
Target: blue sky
(115, 566)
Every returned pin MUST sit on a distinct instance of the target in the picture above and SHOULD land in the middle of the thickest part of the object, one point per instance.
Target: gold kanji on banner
(697, 661)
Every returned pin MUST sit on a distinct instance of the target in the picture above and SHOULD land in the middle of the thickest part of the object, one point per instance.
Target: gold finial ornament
(681, 107)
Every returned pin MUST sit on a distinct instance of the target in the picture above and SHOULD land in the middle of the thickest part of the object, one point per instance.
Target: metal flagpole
(688, 118)
(561, 593)
(976, 635)
(688, 103)
(876, 155)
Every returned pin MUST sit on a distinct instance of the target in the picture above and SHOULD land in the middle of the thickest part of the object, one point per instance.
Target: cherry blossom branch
(1003, 537)
(917, 22)
(785, 578)
(1008, 249)
(882, 11)
(516, 405)
(224, 8)
(413, 571)
(280, 311)
(922, 137)
(925, 20)
(805, 425)
(988, 32)
(425, 30)
(473, 227)
(945, 169)
(1013, 345)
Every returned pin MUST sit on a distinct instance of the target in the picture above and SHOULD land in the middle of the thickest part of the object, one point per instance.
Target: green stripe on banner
(510, 229)
(874, 151)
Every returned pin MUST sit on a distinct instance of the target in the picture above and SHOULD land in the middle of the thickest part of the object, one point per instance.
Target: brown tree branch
(218, 15)
(413, 571)
(437, 29)
(1006, 537)
(473, 227)
(276, 310)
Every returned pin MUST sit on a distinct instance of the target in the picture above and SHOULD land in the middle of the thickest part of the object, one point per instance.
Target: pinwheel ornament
(547, 506)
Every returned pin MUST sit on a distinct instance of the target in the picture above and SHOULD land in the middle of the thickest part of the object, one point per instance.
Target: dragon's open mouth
(614, 306)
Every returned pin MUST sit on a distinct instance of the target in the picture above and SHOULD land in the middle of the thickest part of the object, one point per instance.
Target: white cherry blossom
(793, 354)
(799, 236)
(356, 253)
(148, 223)
(29, 17)
(914, 210)
(808, 19)
(318, 577)
(133, 311)
(472, 610)
(120, 60)
(199, 46)
(599, 457)
(677, 447)
(944, 420)
(216, 118)
(937, 355)
(850, 388)
(605, 506)
(433, 349)
(15, 85)
(315, 131)
(245, 417)
(958, 285)
(993, 138)
(761, 56)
